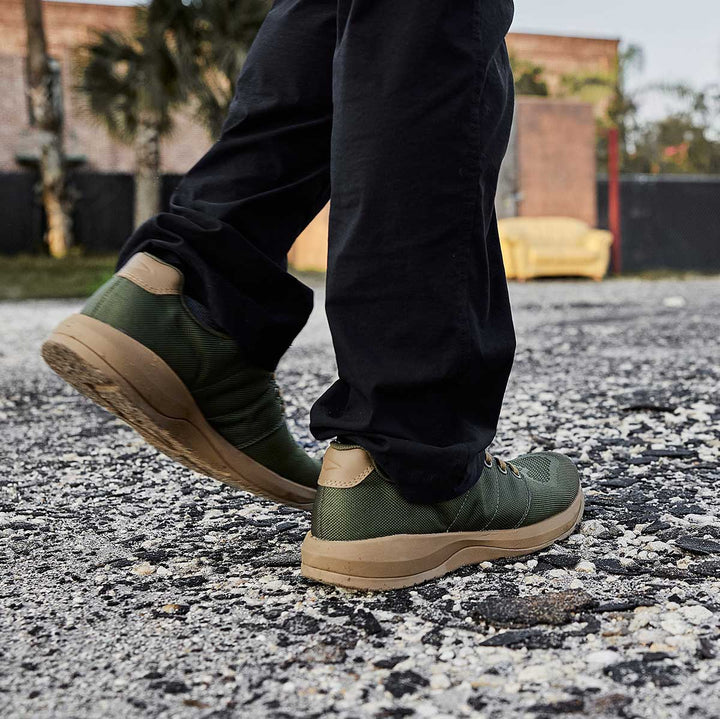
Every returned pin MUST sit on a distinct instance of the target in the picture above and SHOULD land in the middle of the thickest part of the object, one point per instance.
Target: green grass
(25, 277)
(667, 274)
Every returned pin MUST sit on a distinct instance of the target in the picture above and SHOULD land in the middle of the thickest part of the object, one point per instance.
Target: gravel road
(131, 587)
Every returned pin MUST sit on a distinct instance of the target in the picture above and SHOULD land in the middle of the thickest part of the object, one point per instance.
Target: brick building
(550, 167)
(562, 57)
(69, 25)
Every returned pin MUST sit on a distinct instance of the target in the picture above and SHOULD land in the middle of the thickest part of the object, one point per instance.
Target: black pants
(403, 108)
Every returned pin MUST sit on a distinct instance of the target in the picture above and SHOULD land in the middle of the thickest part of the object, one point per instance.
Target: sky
(681, 40)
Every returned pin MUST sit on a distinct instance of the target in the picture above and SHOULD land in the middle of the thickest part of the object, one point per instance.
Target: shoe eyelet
(516, 472)
(489, 466)
(503, 471)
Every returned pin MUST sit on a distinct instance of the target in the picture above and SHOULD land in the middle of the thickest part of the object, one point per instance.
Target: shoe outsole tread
(183, 436)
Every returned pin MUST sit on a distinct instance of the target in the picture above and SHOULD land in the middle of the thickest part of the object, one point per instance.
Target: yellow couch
(553, 247)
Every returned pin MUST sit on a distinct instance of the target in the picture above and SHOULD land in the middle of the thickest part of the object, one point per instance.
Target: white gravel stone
(601, 658)
(673, 623)
(440, 681)
(225, 625)
(696, 614)
(592, 528)
(535, 673)
(143, 569)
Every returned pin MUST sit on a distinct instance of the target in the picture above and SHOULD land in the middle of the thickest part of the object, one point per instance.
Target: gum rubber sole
(403, 560)
(126, 378)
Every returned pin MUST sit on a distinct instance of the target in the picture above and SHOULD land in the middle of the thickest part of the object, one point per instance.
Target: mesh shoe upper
(242, 403)
(553, 482)
(548, 484)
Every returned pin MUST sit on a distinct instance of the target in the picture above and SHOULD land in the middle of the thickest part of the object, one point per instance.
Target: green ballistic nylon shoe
(138, 351)
(365, 535)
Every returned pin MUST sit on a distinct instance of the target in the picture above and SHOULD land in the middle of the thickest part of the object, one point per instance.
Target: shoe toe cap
(553, 481)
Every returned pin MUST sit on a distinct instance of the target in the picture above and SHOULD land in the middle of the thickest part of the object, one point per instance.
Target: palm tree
(132, 84)
(46, 110)
(210, 40)
(181, 49)
(622, 111)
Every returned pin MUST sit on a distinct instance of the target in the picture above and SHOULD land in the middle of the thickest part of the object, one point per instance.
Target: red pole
(614, 197)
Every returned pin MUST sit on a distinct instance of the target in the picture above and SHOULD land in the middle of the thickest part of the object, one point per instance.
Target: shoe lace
(503, 466)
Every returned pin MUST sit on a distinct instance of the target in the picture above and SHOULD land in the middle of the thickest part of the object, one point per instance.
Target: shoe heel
(104, 363)
(126, 378)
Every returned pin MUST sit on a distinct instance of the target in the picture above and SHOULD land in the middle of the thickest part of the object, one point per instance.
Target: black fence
(21, 216)
(103, 216)
(668, 222)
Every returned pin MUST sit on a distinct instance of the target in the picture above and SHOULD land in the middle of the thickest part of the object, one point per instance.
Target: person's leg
(236, 213)
(416, 293)
(182, 342)
(419, 309)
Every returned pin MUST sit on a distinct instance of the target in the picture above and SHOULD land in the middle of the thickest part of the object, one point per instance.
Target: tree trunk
(46, 113)
(147, 168)
(56, 199)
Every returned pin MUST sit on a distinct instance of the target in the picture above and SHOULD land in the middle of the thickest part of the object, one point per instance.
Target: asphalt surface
(132, 587)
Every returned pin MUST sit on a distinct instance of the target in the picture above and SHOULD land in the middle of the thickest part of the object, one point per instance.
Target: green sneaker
(366, 536)
(138, 351)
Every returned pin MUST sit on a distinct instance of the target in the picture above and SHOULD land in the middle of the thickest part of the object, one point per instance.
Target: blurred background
(106, 104)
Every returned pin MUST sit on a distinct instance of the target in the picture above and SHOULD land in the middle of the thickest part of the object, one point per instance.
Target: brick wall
(555, 158)
(13, 108)
(67, 26)
(70, 24)
(555, 151)
(559, 56)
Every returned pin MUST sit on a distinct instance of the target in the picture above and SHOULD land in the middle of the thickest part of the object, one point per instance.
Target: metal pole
(614, 197)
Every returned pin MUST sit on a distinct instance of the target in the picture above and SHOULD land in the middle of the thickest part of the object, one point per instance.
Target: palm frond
(124, 76)
(179, 51)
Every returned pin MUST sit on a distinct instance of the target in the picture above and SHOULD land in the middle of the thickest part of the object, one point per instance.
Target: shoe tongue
(202, 314)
